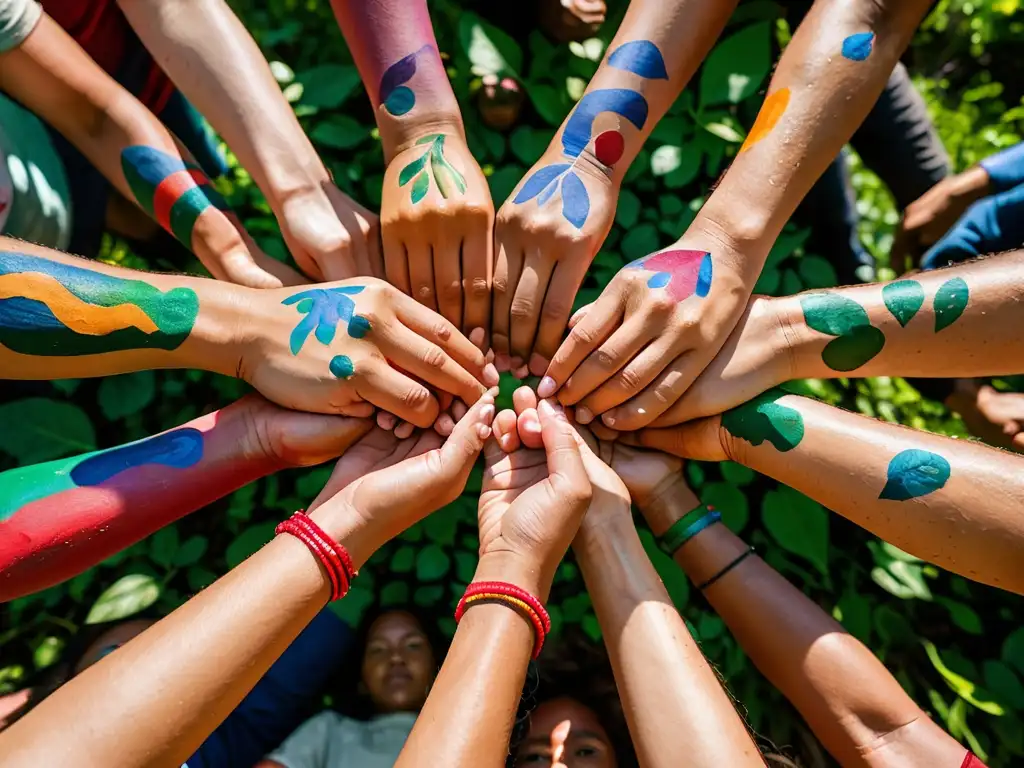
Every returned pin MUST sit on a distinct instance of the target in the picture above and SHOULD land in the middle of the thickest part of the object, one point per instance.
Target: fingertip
(520, 372)
(386, 421)
(523, 398)
(491, 375)
(502, 363)
(547, 387)
(477, 336)
(404, 430)
(583, 415)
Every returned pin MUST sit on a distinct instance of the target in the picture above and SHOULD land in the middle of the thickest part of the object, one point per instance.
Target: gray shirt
(329, 740)
(17, 19)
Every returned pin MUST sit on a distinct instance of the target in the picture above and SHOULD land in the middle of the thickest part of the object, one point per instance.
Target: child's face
(398, 663)
(586, 746)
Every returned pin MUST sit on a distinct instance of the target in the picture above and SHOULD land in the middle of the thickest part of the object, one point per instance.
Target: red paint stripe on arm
(170, 189)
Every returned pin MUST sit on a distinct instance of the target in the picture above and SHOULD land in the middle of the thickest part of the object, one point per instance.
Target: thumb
(560, 445)
(559, 735)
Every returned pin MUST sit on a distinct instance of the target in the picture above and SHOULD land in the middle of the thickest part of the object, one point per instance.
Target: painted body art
(913, 473)
(682, 273)
(950, 302)
(903, 299)
(324, 308)
(432, 163)
(771, 112)
(858, 47)
(763, 418)
(639, 57)
(50, 308)
(857, 340)
(174, 193)
(396, 97)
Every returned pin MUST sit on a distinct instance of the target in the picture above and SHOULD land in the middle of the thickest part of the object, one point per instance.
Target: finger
(429, 363)
(386, 421)
(360, 410)
(352, 256)
(421, 274)
(434, 328)
(507, 267)
(396, 261)
(404, 430)
(524, 400)
(579, 314)
(505, 432)
(554, 314)
(527, 300)
(687, 441)
(444, 424)
(584, 338)
(395, 393)
(477, 266)
(559, 734)
(601, 365)
(448, 277)
(459, 409)
(633, 379)
(603, 433)
(563, 454)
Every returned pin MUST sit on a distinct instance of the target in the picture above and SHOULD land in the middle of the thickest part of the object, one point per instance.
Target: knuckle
(629, 379)
(442, 330)
(556, 310)
(606, 359)
(415, 398)
(581, 335)
(500, 284)
(424, 292)
(521, 309)
(433, 357)
(450, 291)
(477, 288)
(661, 304)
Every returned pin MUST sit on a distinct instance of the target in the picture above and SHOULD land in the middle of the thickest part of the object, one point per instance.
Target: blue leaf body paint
(536, 183)
(180, 449)
(620, 101)
(659, 280)
(549, 191)
(913, 473)
(397, 99)
(324, 308)
(704, 277)
(575, 200)
(858, 47)
(641, 57)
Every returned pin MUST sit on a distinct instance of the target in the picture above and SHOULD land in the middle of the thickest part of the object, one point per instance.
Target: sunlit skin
(567, 726)
(398, 663)
(111, 640)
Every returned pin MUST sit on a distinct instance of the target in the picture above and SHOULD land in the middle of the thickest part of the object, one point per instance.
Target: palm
(645, 473)
(506, 478)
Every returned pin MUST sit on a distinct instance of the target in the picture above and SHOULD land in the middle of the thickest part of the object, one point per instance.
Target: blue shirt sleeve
(1005, 169)
(281, 699)
(989, 226)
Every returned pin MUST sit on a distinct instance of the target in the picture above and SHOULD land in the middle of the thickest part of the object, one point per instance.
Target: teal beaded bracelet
(688, 526)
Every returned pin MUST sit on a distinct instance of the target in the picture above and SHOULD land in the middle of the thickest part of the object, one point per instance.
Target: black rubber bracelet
(729, 567)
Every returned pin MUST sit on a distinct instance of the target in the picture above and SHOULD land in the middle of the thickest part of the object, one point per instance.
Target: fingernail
(487, 413)
(552, 409)
(477, 336)
(491, 377)
(538, 365)
(531, 426)
(483, 431)
(608, 419)
(521, 372)
(584, 416)
(547, 387)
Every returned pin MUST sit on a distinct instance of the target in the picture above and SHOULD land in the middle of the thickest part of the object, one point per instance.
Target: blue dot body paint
(396, 98)
(858, 47)
(641, 57)
(341, 367)
(400, 101)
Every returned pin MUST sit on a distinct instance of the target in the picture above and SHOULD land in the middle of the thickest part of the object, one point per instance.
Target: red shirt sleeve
(971, 761)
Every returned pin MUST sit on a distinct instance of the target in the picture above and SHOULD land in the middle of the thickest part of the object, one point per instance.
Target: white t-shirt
(329, 740)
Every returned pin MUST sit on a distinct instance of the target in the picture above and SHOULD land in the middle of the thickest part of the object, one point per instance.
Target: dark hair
(579, 669)
(349, 697)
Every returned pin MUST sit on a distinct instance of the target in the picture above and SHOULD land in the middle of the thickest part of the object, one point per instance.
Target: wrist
(526, 573)
(669, 506)
(350, 528)
(216, 341)
(785, 333)
(971, 185)
(399, 138)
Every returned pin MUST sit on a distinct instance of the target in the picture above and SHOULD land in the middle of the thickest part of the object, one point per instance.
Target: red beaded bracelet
(332, 556)
(514, 597)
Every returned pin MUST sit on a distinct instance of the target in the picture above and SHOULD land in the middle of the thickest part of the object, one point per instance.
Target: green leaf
(47, 652)
(465, 565)
(853, 611)
(440, 526)
(528, 144)
(191, 551)
(963, 615)
(730, 501)
(960, 685)
(490, 50)
(903, 299)
(125, 597)
(816, 272)
(686, 170)
(737, 474)
(737, 66)
(395, 593)
(420, 187)
(1004, 683)
(591, 627)
(403, 560)
(121, 396)
(639, 242)
(328, 86)
(37, 429)
(432, 563)
(833, 314)
(249, 542)
(950, 302)
(724, 131)
(1013, 650)
(799, 524)
(413, 168)
(340, 132)
(163, 545)
(551, 103)
(351, 608)
(200, 578)
(428, 596)
(628, 211)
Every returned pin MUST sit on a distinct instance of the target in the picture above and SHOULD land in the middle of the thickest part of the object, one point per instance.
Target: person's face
(586, 746)
(110, 641)
(398, 663)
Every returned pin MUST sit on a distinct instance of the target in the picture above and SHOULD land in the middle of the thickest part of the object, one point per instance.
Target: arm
(643, 71)
(957, 323)
(853, 705)
(688, 298)
(249, 617)
(56, 79)
(914, 489)
(988, 226)
(60, 518)
(212, 58)
(436, 212)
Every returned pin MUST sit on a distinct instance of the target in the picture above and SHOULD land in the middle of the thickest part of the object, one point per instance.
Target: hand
(652, 331)
(929, 217)
(383, 484)
(546, 236)
(568, 20)
(701, 440)
(531, 504)
(330, 236)
(295, 438)
(345, 347)
(436, 222)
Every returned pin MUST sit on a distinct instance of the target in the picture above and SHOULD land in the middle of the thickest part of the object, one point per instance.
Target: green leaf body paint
(950, 302)
(432, 163)
(903, 299)
(857, 340)
(763, 419)
(49, 308)
(913, 473)
(341, 367)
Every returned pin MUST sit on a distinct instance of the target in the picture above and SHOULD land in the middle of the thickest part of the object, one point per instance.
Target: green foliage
(954, 645)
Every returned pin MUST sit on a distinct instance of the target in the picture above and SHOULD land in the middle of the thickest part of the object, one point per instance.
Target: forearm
(820, 92)
(393, 44)
(953, 502)
(644, 69)
(60, 518)
(65, 317)
(468, 717)
(212, 58)
(673, 701)
(955, 322)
